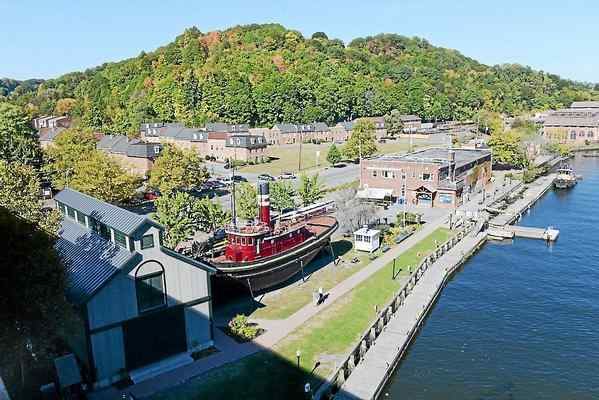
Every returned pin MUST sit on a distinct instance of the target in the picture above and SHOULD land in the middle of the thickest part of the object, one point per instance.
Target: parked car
(266, 177)
(219, 234)
(287, 175)
(151, 195)
(239, 178)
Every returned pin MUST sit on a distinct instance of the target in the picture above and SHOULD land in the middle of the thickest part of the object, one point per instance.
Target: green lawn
(287, 156)
(274, 375)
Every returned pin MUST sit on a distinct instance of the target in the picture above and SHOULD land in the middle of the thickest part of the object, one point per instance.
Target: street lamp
(298, 354)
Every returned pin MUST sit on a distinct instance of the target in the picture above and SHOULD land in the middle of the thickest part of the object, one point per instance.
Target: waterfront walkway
(231, 351)
(366, 381)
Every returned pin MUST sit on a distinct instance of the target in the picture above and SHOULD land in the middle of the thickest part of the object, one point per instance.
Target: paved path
(230, 351)
(369, 376)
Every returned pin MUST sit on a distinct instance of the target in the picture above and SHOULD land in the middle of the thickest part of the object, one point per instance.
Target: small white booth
(367, 239)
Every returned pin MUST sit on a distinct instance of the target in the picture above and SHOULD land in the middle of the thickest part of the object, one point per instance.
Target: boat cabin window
(243, 241)
(250, 241)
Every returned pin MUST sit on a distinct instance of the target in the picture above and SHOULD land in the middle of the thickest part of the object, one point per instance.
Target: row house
(217, 141)
(434, 177)
(141, 306)
(134, 155)
(299, 133)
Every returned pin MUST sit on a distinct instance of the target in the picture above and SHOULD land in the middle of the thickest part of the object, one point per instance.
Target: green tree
(282, 195)
(18, 142)
(20, 194)
(33, 308)
(102, 177)
(177, 212)
(362, 142)
(65, 106)
(71, 146)
(246, 201)
(177, 169)
(334, 155)
(489, 122)
(311, 189)
(211, 216)
(393, 123)
(507, 149)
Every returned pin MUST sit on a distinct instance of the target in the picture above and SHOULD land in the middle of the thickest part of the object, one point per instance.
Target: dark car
(266, 177)
(151, 195)
(239, 178)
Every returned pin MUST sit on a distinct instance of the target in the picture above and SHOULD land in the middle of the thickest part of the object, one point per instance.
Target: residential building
(49, 127)
(134, 155)
(342, 131)
(211, 141)
(49, 122)
(575, 125)
(139, 303)
(411, 123)
(295, 133)
(435, 177)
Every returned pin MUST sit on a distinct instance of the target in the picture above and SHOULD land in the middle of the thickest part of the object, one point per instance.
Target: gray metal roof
(120, 144)
(118, 218)
(90, 260)
(226, 128)
(246, 141)
(438, 156)
(585, 104)
(573, 118)
(409, 118)
(321, 127)
(286, 128)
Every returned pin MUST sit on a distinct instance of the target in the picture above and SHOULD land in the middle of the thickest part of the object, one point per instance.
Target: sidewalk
(231, 351)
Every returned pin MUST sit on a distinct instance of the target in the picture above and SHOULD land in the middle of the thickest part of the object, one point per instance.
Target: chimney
(451, 165)
(264, 202)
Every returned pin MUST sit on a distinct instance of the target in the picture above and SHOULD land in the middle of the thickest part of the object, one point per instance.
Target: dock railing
(328, 389)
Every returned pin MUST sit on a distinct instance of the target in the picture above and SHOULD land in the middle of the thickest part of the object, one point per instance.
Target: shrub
(240, 327)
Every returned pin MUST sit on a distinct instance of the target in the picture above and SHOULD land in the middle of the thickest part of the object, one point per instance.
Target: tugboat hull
(564, 183)
(271, 271)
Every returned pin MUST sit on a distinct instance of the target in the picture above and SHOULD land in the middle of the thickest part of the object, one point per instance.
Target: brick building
(135, 156)
(49, 127)
(575, 125)
(435, 177)
(296, 133)
(219, 141)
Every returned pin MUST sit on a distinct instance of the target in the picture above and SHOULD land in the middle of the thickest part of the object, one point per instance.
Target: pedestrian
(320, 295)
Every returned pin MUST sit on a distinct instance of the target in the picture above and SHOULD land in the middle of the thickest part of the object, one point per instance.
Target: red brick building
(431, 178)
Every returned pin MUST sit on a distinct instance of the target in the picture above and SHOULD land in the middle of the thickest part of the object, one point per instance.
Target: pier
(369, 366)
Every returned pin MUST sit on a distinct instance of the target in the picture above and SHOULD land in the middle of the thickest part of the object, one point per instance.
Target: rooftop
(438, 155)
(573, 117)
(90, 260)
(585, 104)
(115, 217)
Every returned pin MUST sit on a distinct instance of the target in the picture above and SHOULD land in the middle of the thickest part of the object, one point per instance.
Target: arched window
(590, 134)
(150, 286)
(573, 135)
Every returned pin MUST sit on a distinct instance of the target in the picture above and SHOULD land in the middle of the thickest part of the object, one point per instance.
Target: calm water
(521, 320)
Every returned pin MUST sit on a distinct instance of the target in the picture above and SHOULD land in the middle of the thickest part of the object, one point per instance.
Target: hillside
(263, 74)
(9, 86)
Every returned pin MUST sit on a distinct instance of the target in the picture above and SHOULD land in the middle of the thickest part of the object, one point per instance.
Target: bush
(240, 327)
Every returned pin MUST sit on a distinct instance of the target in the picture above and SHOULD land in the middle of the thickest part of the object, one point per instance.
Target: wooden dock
(548, 234)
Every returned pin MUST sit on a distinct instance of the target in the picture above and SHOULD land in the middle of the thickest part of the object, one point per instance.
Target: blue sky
(48, 38)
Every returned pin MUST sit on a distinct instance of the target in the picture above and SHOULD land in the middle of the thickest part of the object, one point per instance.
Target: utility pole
(299, 169)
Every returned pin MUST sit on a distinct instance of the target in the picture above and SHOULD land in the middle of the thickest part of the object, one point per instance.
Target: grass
(290, 299)
(287, 156)
(326, 337)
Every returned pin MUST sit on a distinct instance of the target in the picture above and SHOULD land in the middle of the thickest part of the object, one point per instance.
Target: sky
(45, 39)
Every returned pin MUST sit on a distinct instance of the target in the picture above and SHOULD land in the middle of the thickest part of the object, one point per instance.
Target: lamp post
(298, 354)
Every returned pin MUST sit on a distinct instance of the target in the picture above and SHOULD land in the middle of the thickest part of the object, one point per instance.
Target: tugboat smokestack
(264, 200)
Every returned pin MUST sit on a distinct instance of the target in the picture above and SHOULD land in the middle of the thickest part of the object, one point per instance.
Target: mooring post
(251, 291)
(302, 267)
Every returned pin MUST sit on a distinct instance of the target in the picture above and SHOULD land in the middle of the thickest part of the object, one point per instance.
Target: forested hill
(264, 74)
(9, 86)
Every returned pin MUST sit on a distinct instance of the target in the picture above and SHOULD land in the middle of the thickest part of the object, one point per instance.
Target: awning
(374, 193)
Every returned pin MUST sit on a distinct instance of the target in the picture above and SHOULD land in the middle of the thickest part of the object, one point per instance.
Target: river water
(520, 320)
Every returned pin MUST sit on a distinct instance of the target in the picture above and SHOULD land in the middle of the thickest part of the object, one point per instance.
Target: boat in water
(270, 251)
(566, 178)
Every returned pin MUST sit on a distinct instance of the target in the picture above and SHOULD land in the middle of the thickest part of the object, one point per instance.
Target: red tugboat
(270, 251)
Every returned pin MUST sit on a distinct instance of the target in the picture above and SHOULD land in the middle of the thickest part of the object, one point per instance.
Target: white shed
(367, 239)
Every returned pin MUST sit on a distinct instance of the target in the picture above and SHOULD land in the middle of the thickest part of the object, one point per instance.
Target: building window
(80, 218)
(120, 239)
(71, 212)
(62, 208)
(573, 135)
(374, 173)
(147, 242)
(590, 134)
(427, 176)
(150, 291)
(156, 149)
